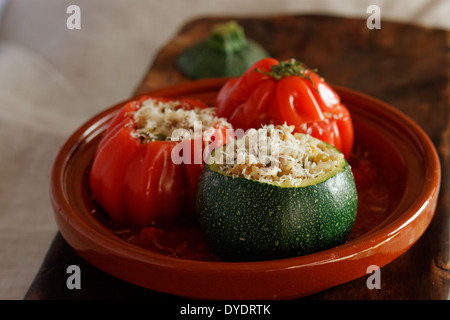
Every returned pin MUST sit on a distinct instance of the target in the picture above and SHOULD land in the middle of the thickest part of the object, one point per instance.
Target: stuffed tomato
(274, 92)
(272, 194)
(146, 167)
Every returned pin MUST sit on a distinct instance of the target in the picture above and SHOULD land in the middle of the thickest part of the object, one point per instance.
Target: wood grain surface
(404, 65)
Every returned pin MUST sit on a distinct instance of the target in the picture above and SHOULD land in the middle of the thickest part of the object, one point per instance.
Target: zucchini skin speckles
(247, 220)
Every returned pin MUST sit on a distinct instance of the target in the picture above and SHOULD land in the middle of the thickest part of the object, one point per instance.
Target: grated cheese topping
(276, 155)
(168, 121)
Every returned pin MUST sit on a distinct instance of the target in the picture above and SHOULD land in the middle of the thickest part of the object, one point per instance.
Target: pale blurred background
(53, 79)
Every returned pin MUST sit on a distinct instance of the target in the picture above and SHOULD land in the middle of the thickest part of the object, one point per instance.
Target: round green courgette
(225, 53)
(248, 220)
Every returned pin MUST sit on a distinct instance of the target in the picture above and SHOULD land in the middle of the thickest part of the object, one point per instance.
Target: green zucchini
(225, 53)
(246, 219)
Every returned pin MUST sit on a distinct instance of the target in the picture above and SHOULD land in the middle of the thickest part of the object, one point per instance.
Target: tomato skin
(236, 92)
(305, 101)
(139, 183)
(295, 101)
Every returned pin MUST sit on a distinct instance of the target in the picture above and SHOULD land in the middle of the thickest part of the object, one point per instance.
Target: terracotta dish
(396, 208)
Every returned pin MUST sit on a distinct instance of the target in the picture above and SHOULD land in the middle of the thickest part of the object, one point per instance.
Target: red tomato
(273, 92)
(138, 182)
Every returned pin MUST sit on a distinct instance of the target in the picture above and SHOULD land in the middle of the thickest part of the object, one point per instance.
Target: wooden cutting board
(404, 65)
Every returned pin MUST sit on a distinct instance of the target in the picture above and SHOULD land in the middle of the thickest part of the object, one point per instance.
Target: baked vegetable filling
(276, 155)
(163, 120)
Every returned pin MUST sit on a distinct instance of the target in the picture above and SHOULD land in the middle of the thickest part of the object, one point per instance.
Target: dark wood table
(404, 65)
